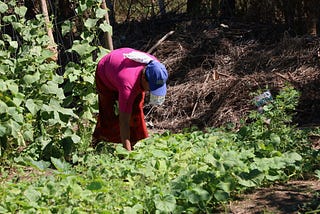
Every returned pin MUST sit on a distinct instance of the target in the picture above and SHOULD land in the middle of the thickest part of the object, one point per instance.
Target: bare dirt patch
(291, 197)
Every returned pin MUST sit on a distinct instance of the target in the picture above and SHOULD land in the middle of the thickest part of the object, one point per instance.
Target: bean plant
(43, 113)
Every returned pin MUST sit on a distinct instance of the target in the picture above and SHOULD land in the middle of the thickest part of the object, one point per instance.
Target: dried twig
(282, 76)
(160, 41)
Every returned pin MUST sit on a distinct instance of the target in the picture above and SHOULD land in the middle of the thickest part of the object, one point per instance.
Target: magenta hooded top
(122, 75)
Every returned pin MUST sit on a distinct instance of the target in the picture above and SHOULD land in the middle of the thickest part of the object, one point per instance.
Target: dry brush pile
(216, 67)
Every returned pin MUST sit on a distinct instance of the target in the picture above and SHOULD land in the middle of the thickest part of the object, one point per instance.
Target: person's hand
(125, 130)
(127, 145)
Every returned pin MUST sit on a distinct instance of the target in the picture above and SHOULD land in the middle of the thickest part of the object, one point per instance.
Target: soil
(215, 67)
(291, 197)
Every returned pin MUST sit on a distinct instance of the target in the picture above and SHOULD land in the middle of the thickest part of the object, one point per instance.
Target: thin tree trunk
(194, 7)
(162, 7)
(108, 37)
(52, 46)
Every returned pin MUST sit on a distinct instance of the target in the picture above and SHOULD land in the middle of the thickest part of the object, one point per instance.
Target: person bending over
(122, 77)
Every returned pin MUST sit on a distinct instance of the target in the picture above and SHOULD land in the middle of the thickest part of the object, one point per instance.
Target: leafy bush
(42, 113)
(272, 131)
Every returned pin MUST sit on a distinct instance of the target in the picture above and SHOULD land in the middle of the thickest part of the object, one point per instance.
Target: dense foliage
(40, 110)
(192, 172)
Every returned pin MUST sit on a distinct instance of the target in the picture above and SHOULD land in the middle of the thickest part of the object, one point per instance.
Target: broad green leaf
(129, 210)
(105, 27)
(21, 11)
(14, 44)
(61, 166)
(272, 177)
(3, 86)
(225, 186)
(31, 194)
(46, 108)
(158, 153)
(28, 135)
(41, 165)
(66, 27)
(75, 138)
(87, 115)
(102, 52)
(100, 13)
(44, 141)
(35, 50)
(3, 54)
(202, 194)
(3, 107)
(221, 195)
(15, 114)
(161, 165)
(209, 159)
(29, 79)
(90, 23)
(15, 191)
(3, 130)
(165, 203)
(89, 79)
(91, 98)
(13, 127)
(292, 157)
(275, 138)
(58, 79)
(18, 26)
(196, 195)
(82, 49)
(83, 7)
(95, 185)
(9, 19)
(52, 88)
(18, 99)
(44, 55)
(246, 183)
(13, 87)
(3, 7)
(76, 190)
(56, 107)
(2, 209)
(32, 106)
(277, 163)
(6, 37)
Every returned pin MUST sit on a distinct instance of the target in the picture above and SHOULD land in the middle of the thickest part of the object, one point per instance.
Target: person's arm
(125, 130)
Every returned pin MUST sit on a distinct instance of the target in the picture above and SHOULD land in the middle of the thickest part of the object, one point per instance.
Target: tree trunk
(194, 7)
(109, 43)
(215, 7)
(111, 14)
(52, 45)
(228, 8)
(312, 16)
(162, 7)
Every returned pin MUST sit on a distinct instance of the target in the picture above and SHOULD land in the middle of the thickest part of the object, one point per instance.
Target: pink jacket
(122, 75)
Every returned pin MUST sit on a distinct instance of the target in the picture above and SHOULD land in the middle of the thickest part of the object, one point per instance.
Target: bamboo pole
(107, 35)
(52, 45)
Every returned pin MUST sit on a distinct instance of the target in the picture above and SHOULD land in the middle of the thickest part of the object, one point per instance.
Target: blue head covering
(157, 76)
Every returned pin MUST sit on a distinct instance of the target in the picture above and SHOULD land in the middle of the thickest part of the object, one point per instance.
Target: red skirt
(108, 127)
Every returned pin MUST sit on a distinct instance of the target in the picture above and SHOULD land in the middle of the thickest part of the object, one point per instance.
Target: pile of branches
(216, 69)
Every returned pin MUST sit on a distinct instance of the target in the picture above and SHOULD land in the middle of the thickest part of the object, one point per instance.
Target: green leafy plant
(272, 130)
(43, 113)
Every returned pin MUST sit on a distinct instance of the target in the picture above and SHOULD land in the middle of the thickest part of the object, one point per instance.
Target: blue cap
(157, 76)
